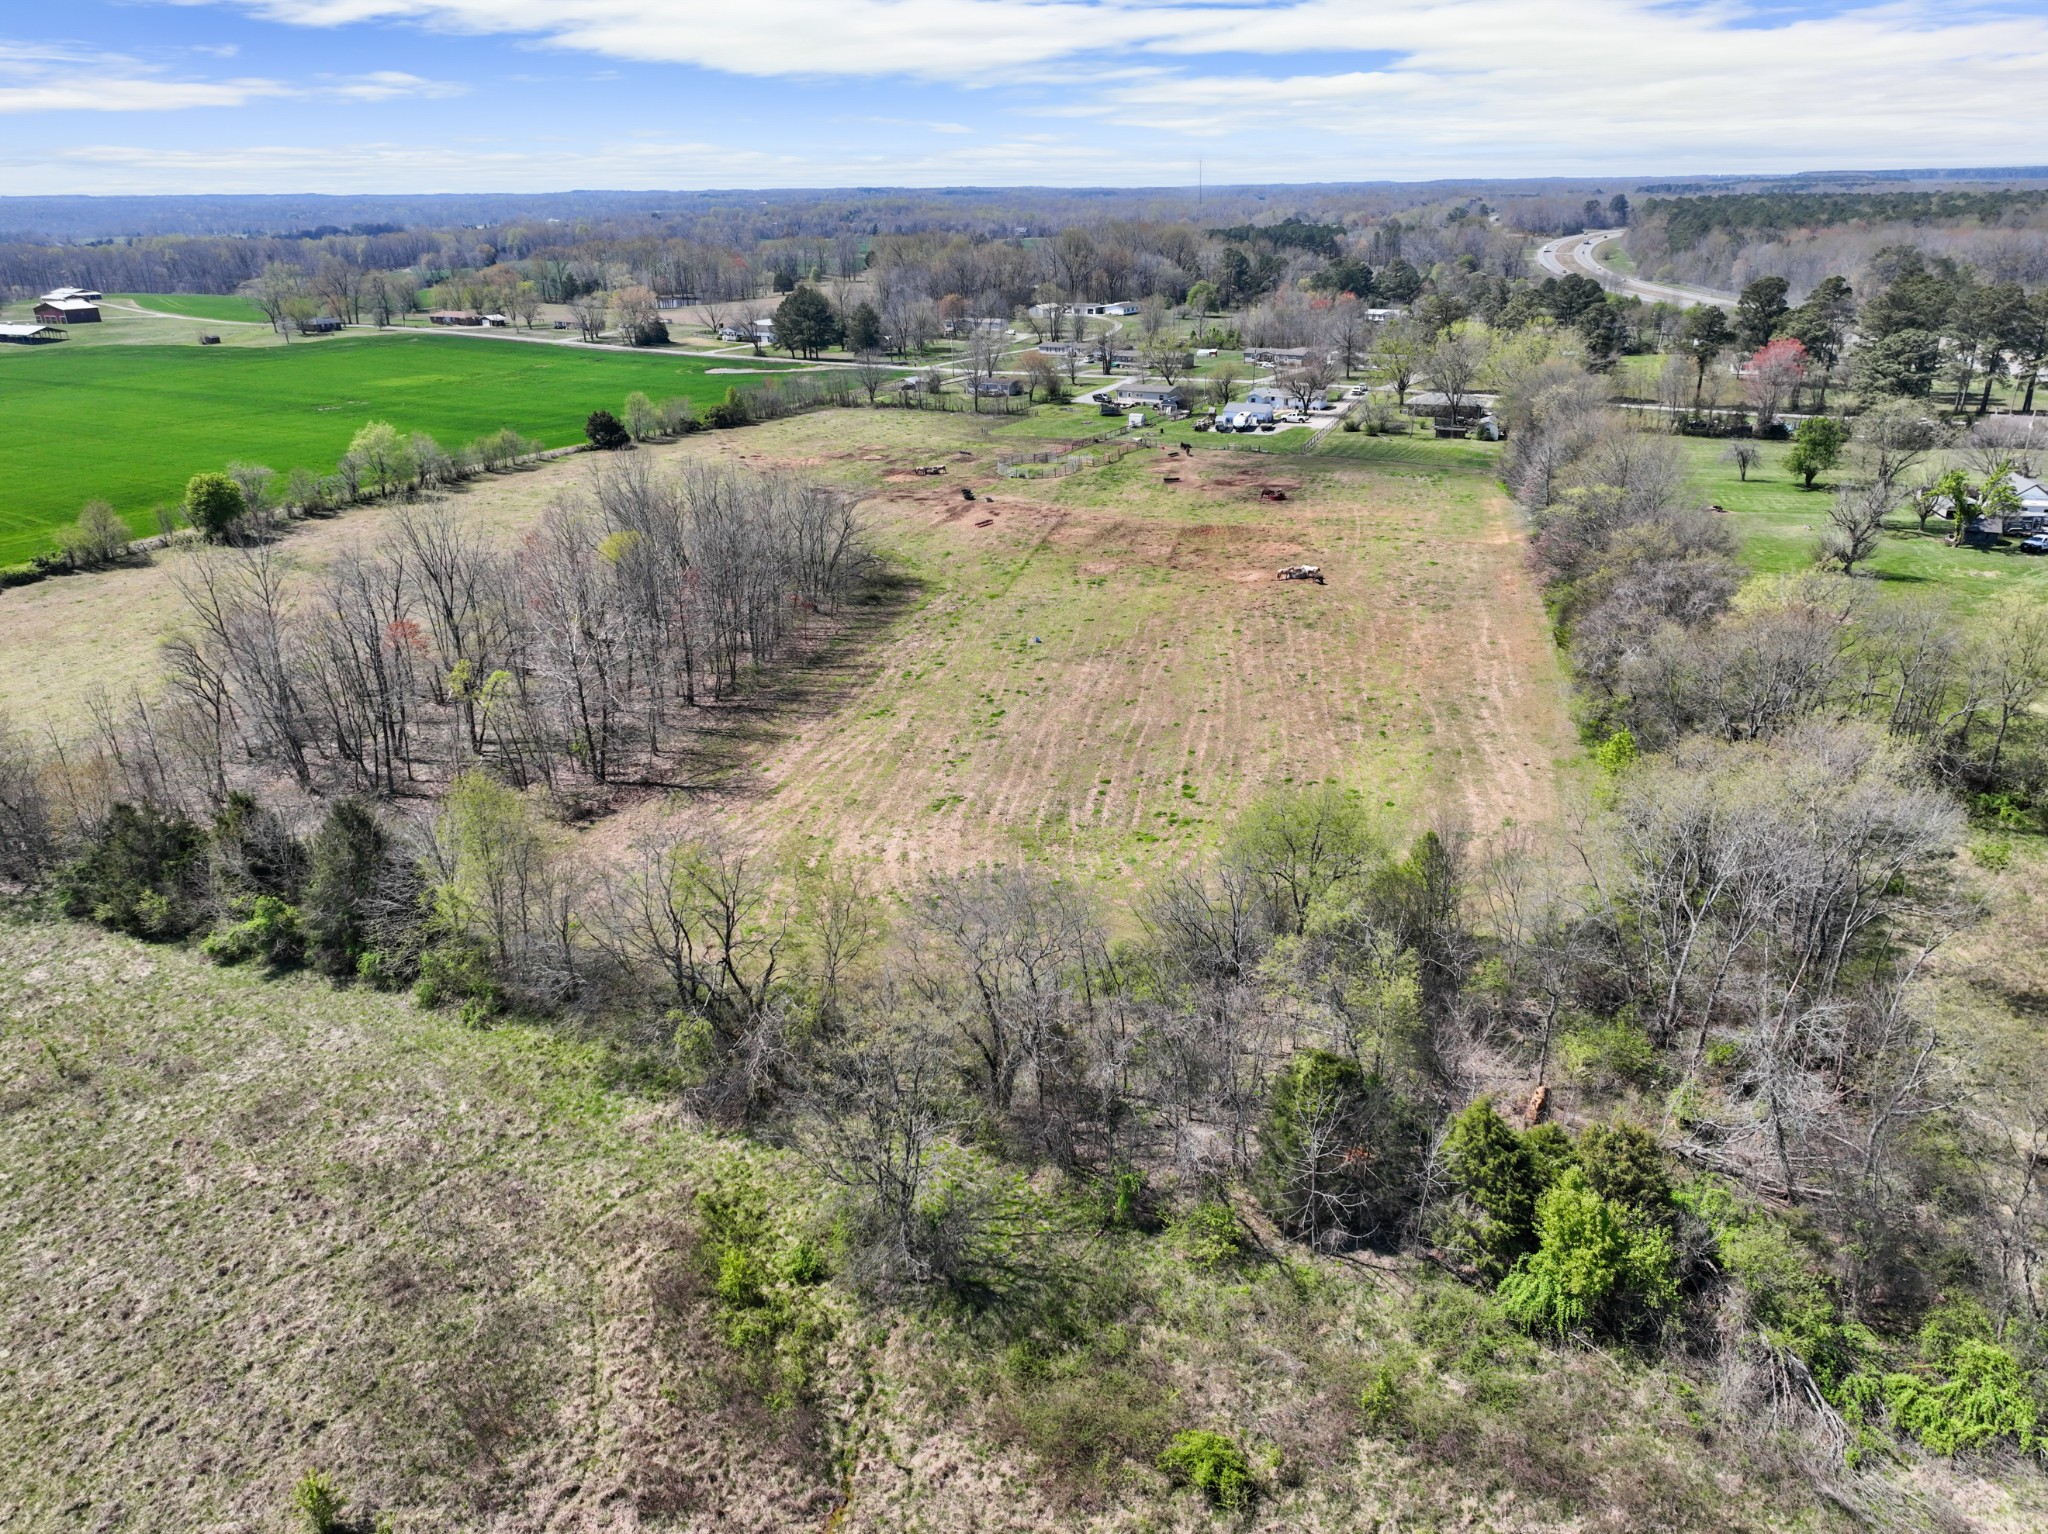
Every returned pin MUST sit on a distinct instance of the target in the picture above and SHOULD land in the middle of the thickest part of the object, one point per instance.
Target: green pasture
(1779, 525)
(197, 306)
(131, 424)
(1416, 451)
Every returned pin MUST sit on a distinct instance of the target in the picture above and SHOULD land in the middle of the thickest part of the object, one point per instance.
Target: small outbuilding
(30, 335)
(61, 295)
(455, 317)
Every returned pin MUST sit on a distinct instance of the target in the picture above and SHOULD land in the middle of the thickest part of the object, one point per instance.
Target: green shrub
(458, 969)
(1213, 1465)
(1208, 1235)
(1624, 1163)
(347, 860)
(142, 874)
(1596, 1264)
(1617, 753)
(271, 932)
(1550, 1151)
(1383, 1404)
(1984, 1398)
(98, 537)
(254, 853)
(1613, 1050)
(1492, 1167)
(643, 420)
(1993, 854)
(213, 504)
(605, 432)
(767, 1309)
(318, 1502)
(1338, 1149)
(729, 412)
(1787, 1300)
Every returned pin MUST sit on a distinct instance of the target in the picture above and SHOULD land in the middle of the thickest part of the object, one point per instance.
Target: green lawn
(131, 424)
(1422, 452)
(1779, 525)
(198, 306)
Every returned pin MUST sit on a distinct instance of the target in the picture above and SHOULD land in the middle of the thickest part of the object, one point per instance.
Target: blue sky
(535, 95)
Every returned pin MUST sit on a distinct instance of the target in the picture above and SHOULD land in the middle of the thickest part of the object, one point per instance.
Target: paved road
(1575, 254)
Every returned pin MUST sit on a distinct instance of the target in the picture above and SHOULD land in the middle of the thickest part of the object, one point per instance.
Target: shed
(68, 311)
(60, 295)
(30, 335)
(455, 317)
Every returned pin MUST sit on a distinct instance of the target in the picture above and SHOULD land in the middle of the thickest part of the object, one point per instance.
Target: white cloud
(58, 77)
(389, 85)
(61, 77)
(1617, 82)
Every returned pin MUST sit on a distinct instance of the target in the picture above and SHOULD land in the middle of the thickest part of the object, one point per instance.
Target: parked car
(2038, 544)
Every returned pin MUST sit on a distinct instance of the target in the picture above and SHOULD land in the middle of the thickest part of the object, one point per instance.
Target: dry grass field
(1092, 671)
(258, 1226)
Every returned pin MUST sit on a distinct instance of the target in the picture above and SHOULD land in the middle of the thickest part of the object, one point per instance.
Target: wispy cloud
(387, 85)
(1619, 79)
(59, 77)
(625, 161)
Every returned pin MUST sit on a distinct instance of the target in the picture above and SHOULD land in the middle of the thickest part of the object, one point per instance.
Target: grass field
(1779, 525)
(198, 306)
(1098, 678)
(130, 424)
(255, 1227)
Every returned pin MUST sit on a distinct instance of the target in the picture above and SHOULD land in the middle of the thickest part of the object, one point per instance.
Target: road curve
(1574, 255)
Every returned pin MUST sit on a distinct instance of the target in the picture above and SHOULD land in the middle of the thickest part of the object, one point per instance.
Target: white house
(1155, 396)
(1244, 416)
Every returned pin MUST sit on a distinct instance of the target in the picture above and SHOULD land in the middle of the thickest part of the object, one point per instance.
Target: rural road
(1574, 254)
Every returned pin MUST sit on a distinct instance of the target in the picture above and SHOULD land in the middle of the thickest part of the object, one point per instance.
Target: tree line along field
(130, 425)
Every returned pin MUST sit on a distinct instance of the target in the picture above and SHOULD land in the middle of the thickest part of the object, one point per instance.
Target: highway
(1574, 254)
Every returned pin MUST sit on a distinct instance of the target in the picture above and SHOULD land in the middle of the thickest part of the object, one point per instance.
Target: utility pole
(1198, 186)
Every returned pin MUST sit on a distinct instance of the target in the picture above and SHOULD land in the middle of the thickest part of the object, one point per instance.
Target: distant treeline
(1689, 220)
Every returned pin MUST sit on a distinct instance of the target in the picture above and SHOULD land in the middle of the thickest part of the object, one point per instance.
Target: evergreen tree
(805, 324)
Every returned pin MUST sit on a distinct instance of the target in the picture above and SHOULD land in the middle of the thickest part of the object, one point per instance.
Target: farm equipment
(929, 469)
(1272, 493)
(967, 492)
(1303, 573)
